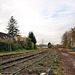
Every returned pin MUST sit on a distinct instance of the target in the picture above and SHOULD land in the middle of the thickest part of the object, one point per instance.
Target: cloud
(48, 19)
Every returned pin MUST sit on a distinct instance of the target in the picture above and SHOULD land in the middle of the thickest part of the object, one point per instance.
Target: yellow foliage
(9, 40)
(0, 39)
(0, 73)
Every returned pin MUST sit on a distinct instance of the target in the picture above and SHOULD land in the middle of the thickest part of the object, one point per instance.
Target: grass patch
(16, 51)
(18, 73)
(60, 74)
(41, 63)
(38, 70)
(2, 66)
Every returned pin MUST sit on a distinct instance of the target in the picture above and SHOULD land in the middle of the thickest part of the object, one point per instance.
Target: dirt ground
(68, 61)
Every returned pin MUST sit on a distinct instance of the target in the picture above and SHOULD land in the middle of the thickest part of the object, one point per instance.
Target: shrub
(35, 47)
(3, 46)
(32, 45)
(49, 46)
(28, 43)
(9, 45)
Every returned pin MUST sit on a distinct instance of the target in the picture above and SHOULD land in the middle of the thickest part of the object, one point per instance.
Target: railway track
(19, 58)
(10, 57)
(10, 68)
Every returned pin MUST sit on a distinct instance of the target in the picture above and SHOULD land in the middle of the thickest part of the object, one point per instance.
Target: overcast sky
(48, 19)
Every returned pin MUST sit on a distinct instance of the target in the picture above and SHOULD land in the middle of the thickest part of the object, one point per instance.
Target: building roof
(4, 35)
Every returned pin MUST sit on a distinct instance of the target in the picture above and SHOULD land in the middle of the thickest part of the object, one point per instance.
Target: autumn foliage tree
(68, 38)
(73, 35)
(64, 39)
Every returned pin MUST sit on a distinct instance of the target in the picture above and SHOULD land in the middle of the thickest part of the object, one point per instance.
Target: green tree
(32, 45)
(12, 28)
(33, 39)
(28, 43)
(49, 45)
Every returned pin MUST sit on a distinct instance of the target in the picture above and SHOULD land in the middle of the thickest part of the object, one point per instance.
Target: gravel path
(69, 63)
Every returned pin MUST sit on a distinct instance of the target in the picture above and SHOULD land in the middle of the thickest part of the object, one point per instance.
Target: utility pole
(42, 41)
